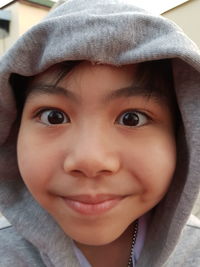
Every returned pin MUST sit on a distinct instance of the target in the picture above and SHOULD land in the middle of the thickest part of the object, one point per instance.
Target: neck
(114, 254)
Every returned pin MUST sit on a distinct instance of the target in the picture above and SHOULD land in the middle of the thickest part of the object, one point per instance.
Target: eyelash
(135, 112)
(50, 109)
(66, 118)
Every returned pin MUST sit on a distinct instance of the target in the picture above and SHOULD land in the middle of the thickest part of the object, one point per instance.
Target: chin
(94, 239)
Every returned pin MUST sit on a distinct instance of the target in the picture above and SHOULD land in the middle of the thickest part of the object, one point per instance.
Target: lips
(92, 205)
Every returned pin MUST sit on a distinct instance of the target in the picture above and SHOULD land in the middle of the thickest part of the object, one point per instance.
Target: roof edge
(44, 3)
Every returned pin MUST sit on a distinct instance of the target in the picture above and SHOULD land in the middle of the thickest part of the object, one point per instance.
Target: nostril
(77, 173)
(89, 174)
(91, 165)
(106, 172)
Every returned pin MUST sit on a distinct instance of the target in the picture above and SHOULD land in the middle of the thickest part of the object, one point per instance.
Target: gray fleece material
(111, 32)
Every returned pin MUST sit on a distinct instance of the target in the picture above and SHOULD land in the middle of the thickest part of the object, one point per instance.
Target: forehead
(86, 71)
(86, 79)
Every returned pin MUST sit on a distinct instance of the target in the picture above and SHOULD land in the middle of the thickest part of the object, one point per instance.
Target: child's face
(93, 152)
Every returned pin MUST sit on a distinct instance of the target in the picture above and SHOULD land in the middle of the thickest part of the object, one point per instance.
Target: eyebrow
(51, 90)
(134, 90)
(125, 92)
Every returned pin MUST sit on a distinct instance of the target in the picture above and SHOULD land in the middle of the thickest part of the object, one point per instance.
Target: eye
(133, 119)
(53, 116)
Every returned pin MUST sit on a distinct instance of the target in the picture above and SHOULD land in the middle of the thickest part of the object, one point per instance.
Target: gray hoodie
(118, 33)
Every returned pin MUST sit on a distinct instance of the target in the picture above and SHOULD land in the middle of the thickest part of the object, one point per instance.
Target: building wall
(6, 42)
(30, 15)
(23, 16)
(187, 17)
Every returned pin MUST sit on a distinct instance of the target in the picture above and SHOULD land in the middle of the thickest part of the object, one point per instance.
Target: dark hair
(20, 84)
(155, 76)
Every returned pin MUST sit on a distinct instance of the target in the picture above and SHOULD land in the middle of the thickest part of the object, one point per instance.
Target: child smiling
(99, 157)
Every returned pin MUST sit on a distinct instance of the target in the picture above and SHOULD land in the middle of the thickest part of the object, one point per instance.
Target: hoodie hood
(111, 32)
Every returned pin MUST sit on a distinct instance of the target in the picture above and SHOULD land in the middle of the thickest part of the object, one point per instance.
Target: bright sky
(158, 6)
(155, 6)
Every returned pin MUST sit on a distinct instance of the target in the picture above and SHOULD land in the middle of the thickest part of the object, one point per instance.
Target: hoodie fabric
(111, 32)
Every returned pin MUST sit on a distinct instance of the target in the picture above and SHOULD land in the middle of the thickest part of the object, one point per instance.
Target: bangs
(155, 77)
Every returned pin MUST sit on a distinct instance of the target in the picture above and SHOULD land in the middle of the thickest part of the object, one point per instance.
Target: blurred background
(17, 16)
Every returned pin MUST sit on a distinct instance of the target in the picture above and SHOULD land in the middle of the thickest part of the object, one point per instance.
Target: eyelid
(145, 113)
(40, 112)
(148, 118)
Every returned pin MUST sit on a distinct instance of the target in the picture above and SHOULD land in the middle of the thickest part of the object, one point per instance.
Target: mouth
(92, 205)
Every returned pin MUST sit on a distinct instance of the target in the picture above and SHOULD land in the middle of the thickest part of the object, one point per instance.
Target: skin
(94, 152)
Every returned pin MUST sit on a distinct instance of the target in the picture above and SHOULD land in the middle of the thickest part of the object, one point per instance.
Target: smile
(89, 205)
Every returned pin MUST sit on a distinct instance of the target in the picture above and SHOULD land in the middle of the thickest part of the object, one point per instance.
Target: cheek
(152, 162)
(34, 164)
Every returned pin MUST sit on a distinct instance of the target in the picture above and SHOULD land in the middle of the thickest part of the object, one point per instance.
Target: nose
(91, 156)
